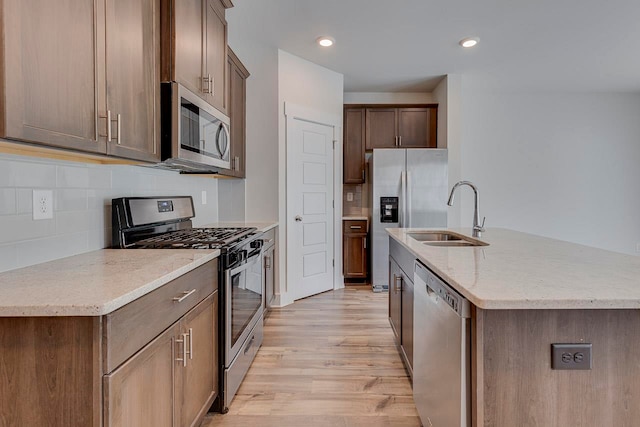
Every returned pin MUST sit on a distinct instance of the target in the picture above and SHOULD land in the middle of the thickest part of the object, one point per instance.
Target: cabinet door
(187, 54)
(140, 392)
(269, 276)
(395, 299)
(407, 320)
(417, 127)
(133, 77)
(237, 113)
(50, 90)
(355, 255)
(215, 59)
(198, 383)
(381, 128)
(354, 132)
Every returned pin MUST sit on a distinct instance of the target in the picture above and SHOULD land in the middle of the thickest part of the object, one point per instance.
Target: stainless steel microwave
(195, 135)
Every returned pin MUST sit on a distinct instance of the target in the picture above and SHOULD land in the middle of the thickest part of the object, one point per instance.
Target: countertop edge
(62, 310)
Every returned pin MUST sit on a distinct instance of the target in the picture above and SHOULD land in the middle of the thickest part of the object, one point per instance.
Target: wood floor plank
(327, 360)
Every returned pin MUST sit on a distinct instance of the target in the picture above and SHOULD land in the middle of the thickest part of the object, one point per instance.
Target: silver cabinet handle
(364, 242)
(395, 283)
(236, 163)
(210, 84)
(108, 125)
(184, 296)
(363, 175)
(396, 141)
(119, 127)
(298, 218)
(208, 80)
(190, 343)
(355, 227)
(400, 141)
(183, 359)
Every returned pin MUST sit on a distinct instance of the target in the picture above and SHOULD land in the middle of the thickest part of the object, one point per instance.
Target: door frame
(293, 111)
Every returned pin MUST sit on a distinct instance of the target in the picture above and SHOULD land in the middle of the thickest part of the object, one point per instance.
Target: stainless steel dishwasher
(441, 358)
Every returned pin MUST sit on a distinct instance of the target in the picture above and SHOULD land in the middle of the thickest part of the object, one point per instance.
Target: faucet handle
(484, 218)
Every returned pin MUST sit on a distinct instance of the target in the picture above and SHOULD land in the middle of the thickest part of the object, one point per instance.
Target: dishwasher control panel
(437, 289)
(453, 300)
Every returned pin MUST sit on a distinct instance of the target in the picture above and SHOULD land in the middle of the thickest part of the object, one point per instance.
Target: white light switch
(349, 197)
(204, 197)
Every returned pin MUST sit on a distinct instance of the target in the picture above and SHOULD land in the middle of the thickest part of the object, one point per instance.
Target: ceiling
(408, 45)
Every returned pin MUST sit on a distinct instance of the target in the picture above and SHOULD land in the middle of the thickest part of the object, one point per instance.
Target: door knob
(298, 218)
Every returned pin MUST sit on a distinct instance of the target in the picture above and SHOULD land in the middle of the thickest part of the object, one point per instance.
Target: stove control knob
(256, 244)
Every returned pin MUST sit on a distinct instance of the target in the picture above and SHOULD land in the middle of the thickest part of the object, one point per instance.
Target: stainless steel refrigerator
(409, 190)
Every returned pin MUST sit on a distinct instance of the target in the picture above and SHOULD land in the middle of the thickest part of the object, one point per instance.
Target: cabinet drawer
(129, 328)
(354, 226)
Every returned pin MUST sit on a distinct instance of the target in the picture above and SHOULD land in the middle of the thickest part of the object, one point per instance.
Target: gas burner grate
(195, 238)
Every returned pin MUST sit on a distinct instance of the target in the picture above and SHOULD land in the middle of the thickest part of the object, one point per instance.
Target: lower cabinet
(354, 249)
(401, 264)
(152, 362)
(171, 381)
(269, 262)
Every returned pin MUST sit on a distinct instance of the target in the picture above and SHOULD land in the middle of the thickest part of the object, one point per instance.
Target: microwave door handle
(223, 152)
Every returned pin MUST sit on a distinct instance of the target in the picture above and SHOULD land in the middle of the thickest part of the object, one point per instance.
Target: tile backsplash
(82, 196)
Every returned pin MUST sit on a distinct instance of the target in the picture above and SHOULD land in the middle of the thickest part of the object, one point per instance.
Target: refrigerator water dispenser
(388, 209)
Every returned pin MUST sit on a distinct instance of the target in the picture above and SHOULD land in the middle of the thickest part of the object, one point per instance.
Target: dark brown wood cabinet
(407, 320)
(194, 47)
(401, 127)
(353, 142)
(238, 75)
(395, 300)
(354, 249)
(401, 292)
(108, 68)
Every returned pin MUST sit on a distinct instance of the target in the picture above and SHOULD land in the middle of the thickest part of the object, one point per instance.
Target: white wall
(305, 84)
(261, 185)
(564, 165)
(388, 98)
(82, 196)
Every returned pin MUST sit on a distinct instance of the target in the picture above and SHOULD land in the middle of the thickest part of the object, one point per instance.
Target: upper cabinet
(401, 127)
(237, 102)
(194, 47)
(82, 75)
(353, 141)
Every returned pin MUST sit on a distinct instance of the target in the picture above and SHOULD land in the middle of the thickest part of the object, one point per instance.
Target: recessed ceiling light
(469, 42)
(325, 41)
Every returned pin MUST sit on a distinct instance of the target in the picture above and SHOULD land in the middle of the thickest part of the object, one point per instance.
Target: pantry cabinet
(82, 75)
(194, 47)
(353, 142)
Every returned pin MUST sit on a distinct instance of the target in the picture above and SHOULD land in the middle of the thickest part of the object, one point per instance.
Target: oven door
(244, 290)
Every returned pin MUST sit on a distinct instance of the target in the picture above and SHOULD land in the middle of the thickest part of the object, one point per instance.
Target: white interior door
(309, 207)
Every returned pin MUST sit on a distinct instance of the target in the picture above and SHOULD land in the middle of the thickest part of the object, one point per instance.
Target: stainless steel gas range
(165, 223)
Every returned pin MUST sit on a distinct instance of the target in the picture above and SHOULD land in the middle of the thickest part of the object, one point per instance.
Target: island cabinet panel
(395, 300)
(516, 385)
(407, 322)
(50, 371)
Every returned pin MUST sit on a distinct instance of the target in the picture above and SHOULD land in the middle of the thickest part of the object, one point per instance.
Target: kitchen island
(527, 293)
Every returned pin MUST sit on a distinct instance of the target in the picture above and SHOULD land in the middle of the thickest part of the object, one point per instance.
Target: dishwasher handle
(439, 291)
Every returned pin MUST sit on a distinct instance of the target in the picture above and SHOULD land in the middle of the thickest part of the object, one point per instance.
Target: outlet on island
(571, 356)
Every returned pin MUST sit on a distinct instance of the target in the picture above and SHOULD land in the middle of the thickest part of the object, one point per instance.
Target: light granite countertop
(524, 271)
(94, 283)
(355, 217)
(263, 226)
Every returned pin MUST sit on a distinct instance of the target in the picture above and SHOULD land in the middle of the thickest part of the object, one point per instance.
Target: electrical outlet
(571, 356)
(42, 204)
(204, 197)
(349, 197)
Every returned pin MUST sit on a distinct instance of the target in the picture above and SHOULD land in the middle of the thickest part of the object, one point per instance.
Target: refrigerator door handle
(403, 197)
(408, 198)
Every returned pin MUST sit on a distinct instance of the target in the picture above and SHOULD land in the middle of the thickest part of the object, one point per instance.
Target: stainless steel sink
(445, 238)
(433, 236)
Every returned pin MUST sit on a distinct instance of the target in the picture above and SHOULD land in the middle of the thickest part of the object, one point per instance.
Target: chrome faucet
(477, 228)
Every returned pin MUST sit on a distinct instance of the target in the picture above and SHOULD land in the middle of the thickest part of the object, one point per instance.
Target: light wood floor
(328, 360)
